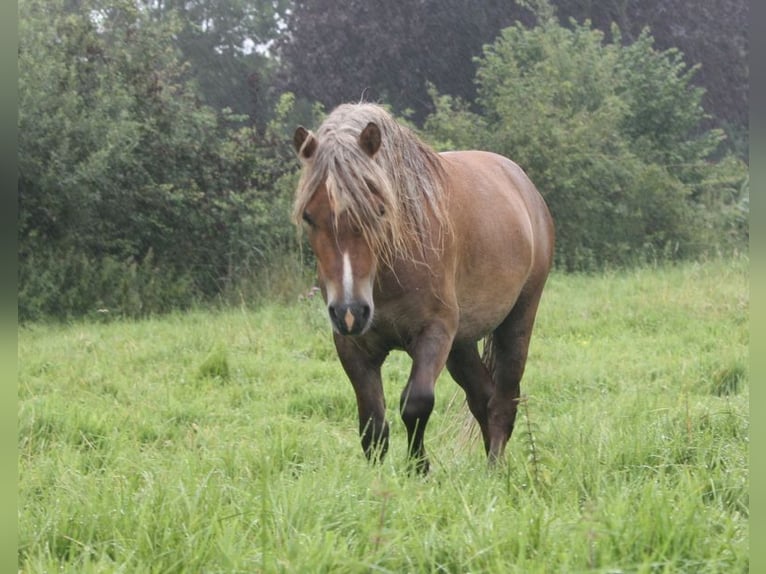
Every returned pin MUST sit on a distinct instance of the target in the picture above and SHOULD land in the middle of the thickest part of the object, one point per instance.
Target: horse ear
(304, 142)
(369, 139)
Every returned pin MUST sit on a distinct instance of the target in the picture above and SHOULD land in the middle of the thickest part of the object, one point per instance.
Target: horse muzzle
(350, 319)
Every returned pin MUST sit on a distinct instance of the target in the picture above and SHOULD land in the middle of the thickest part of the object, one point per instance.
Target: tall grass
(226, 442)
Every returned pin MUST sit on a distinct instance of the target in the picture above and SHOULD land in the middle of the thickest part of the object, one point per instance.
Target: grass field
(226, 442)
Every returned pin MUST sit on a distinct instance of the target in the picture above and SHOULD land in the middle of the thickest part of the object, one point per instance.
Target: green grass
(226, 442)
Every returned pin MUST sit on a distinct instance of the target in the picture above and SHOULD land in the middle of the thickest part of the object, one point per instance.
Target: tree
(335, 52)
(225, 43)
(712, 33)
(128, 182)
(611, 134)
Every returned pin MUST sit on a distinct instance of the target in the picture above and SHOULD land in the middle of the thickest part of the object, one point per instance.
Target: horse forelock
(404, 176)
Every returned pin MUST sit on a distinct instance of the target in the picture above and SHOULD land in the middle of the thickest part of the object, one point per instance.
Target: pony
(429, 253)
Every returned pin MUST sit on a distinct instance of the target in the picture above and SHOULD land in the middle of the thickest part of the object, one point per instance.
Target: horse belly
(486, 294)
(494, 238)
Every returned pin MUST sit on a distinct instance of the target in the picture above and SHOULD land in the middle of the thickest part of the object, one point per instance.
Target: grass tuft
(215, 365)
(728, 380)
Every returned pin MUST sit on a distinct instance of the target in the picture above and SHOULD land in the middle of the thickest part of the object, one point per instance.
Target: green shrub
(612, 136)
(70, 284)
(135, 196)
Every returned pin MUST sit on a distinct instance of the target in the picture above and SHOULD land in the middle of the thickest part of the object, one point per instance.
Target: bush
(613, 138)
(70, 284)
(134, 195)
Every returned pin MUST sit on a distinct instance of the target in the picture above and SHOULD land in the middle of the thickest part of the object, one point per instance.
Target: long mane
(405, 175)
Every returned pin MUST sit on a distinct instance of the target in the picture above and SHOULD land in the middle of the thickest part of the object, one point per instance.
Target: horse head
(340, 239)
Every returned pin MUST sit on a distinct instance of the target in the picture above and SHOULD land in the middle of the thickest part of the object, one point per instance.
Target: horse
(425, 252)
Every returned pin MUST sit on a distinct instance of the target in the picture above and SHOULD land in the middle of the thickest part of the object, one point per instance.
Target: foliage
(612, 136)
(712, 33)
(636, 403)
(226, 43)
(337, 52)
(118, 159)
(155, 168)
(57, 283)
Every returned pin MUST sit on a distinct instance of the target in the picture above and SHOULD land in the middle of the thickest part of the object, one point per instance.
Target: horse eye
(308, 220)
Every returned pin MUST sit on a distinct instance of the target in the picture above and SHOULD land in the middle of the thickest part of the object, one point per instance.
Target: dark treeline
(155, 169)
(334, 51)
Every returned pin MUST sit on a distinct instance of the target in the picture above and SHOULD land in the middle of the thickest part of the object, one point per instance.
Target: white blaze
(348, 292)
(348, 278)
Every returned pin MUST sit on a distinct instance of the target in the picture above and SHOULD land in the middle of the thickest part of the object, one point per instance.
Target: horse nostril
(349, 319)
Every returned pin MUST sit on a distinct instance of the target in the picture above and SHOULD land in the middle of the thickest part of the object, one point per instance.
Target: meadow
(226, 441)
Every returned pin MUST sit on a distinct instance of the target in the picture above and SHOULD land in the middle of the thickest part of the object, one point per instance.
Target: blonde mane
(405, 176)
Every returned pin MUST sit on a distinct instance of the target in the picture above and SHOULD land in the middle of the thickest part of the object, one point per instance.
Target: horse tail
(469, 428)
(489, 355)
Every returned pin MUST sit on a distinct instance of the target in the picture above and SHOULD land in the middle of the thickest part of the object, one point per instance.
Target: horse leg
(429, 353)
(363, 371)
(510, 343)
(468, 370)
